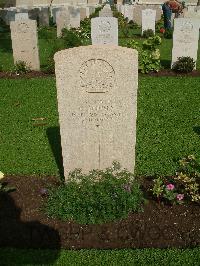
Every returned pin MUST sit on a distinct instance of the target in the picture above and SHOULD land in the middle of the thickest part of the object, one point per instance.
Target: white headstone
(185, 38)
(75, 18)
(97, 104)
(25, 42)
(128, 12)
(148, 19)
(62, 20)
(104, 30)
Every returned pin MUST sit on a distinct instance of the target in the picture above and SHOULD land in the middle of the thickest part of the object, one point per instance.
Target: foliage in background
(168, 34)
(159, 24)
(148, 33)
(149, 54)
(20, 67)
(184, 64)
(46, 33)
(98, 197)
(84, 31)
(50, 65)
(71, 38)
(184, 187)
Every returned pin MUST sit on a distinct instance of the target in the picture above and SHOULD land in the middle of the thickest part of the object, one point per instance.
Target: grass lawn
(143, 257)
(168, 125)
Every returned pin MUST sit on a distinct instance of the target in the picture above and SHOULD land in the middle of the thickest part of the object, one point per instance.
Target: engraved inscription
(23, 27)
(97, 113)
(104, 27)
(97, 76)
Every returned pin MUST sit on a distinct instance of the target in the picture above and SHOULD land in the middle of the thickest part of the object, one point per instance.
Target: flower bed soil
(23, 224)
(39, 74)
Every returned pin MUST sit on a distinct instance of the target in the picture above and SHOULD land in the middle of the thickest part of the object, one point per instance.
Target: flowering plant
(182, 187)
(162, 30)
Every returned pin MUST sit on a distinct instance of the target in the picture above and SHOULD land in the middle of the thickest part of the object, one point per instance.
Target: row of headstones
(25, 39)
(70, 16)
(104, 30)
(41, 14)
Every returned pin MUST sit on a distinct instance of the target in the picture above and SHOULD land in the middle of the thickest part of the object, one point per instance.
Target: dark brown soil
(170, 73)
(38, 74)
(32, 74)
(23, 224)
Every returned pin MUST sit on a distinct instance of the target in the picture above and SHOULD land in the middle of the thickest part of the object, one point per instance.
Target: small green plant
(71, 38)
(184, 187)
(149, 58)
(20, 67)
(168, 34)
(184, 65)
(98, 197)
(148, 33)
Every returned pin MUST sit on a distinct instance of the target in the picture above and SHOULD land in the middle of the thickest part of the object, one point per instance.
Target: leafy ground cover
(168, 125)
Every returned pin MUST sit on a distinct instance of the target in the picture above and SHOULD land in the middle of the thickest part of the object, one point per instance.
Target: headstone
(10, 16)
(83, 13)
(24, 42)
(106, 12)
(148, 19)
(21, 16)
(97, 104)
(44, 16)
(185, 38)
(34, 14)
(75, 18)
(104, 30)
(128, 12)
(62, 20)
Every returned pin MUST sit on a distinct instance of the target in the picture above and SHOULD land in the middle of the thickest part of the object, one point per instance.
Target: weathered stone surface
(137, 12)
(21, 16)
(104, 30)
(24, 42)
(185, 38)
(44, 16)
(128, 12)
(148, 19)
(105, 12)
(62, 20)
(74, 18)
(97, 104)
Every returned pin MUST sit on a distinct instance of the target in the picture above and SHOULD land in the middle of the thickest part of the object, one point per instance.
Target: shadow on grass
(5, 45)
(16, 233)
(53, 134)
(166, 64)
(197, 130)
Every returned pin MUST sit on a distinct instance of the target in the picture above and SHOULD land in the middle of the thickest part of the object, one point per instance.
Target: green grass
(143, 257)
(168, 125)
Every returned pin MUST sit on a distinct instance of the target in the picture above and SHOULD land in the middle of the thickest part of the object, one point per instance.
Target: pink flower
(170, 187)
(180, 196)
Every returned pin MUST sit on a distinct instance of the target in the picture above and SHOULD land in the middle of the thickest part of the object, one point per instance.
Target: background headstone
(97, 104)
(185, 38)
(62, 20)
(25, 42)
(104, 30)
(148, 19)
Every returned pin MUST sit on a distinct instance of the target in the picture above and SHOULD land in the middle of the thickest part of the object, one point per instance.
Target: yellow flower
(1, 175)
